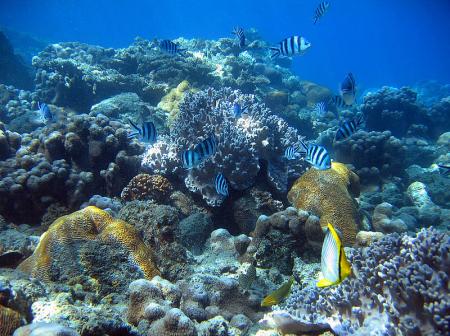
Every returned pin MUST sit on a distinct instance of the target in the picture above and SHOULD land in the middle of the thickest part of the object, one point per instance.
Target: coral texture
(144, 186)
(328, 195)
(89, 224)
(10, 320)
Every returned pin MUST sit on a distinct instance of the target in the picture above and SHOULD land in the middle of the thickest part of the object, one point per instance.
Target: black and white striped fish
(170, 47)
(294, 45)
(321, 10)
(221, 185)
(146, 133)
(239, 32)
(338, 101)
(444, 169)
(317, 156)
(46, 115)
(191, 158)
(349, 127)
(348, 89)
(207, 147)
(291, 153)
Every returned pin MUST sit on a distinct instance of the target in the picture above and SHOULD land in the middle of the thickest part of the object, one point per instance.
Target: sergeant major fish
(291, 46)
(170, 47)
(278, 295)
(349, 127)
(321, 10)
(221, 185)
(291, 153)
(333, 263)
(190, 158)
(147, 132)
(207, 147)
(317, 156)
(46, 114)
(348, 89)
(239, 32)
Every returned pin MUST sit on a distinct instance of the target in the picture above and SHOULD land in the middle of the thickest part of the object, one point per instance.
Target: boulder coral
(82, 227)
(329, 195)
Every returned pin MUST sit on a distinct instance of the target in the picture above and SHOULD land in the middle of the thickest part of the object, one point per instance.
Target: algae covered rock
(329, 195)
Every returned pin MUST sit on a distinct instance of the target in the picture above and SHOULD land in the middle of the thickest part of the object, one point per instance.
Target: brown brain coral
(145, 186)
(10, 320)
(328, 194)
(82, 227)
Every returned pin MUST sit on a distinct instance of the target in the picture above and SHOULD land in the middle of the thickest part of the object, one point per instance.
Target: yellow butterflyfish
(279, 294)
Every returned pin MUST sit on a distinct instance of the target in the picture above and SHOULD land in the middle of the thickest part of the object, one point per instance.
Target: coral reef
(399, 286)
(329, 195)
(82, 235)
(242, 143)
(144, 186)
(43, 328)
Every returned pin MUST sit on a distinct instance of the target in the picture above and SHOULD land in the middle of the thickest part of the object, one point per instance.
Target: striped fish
(338, 101)
(333, 263)
(191, 158)
(170, 47)
(239, 32)
(46, 114)
(294, 45)
(291, 153)
(444, 169)
(317, 156)
(320, 109)
(349, 127)
(221, 185)
(320, 11)
(147, 133)
(207, 147)
(348, 89)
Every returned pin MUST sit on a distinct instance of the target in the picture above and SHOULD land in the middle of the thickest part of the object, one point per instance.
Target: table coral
(145, 186)
(81, 227)
(328, 194)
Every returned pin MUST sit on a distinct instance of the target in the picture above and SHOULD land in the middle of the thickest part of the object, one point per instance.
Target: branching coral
(399, 287)
(78, 229)
(328, 194)
(242, 143)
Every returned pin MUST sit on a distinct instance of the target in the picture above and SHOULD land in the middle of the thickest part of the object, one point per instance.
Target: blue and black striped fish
(191, 158)
(349, 127)
(444, 169)
(294, 45)
(348, 89)
(291, 153)
(317, 156)
(239, 32)
(221, 185)
(320, 10)
(207, 147)
(46, 114)
(170, 47)
(238, 109)
(338, 101)
(146, 133)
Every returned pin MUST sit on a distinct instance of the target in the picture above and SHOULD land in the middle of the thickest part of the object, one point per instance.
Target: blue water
(382, 42)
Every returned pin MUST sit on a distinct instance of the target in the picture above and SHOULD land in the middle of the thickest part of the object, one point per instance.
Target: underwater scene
(224, 168)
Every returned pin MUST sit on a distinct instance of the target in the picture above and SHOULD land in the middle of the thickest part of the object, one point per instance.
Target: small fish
(348, 89)
(46, 114)
(147, 133)
(278, 295)
(191, 158)
(207, 147)
(349, 127)
(294, 45)
(239, 32)
(221, 185)
(317, 156)
(333, 264)
(238, 110)
(320, 11)
(320, 109)
(338, 101)
(444, 169)
(291, 153)
(170, 47)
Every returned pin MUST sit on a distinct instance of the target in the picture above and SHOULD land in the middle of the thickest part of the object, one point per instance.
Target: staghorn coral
(144, 186)
(242, 143)
(328, 194)
(399, 287)
(9, 320)
(81, 227)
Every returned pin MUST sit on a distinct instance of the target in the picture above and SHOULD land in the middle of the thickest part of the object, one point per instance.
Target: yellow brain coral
(328, 194)
(88, 224)
(171, 101)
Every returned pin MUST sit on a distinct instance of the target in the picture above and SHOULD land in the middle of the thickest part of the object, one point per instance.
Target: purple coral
(243, 143)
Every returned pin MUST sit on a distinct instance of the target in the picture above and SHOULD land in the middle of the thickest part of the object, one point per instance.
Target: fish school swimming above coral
(199, 187)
